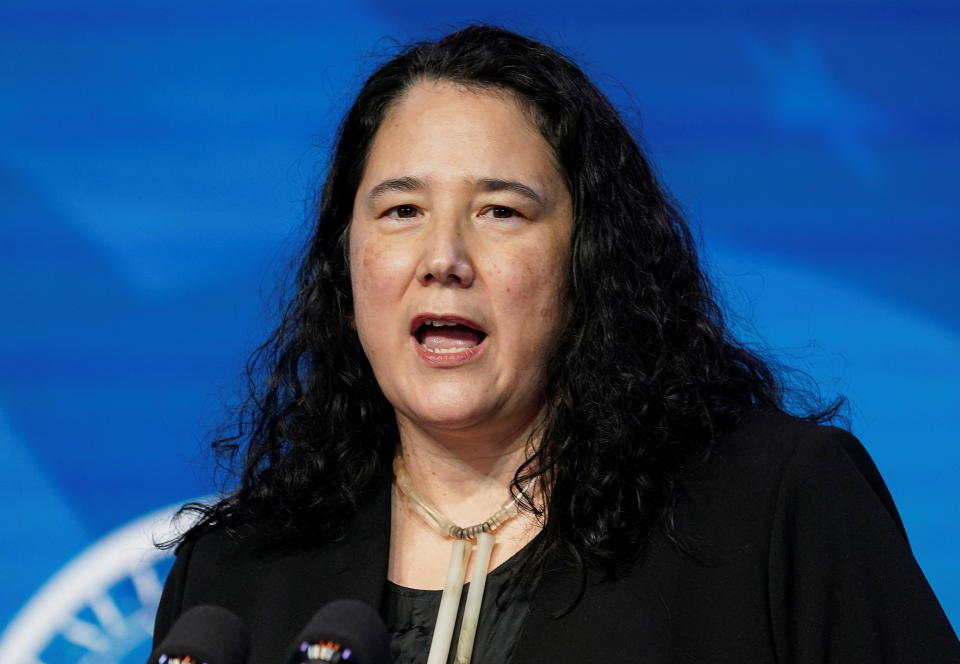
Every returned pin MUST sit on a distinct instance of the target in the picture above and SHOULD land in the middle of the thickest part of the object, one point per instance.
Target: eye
(502, 212)
(402, 212)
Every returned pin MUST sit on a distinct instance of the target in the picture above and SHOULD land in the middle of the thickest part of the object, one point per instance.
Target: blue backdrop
(156, 159)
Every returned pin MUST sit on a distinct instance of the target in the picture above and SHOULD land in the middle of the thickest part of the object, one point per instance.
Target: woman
(501, 315)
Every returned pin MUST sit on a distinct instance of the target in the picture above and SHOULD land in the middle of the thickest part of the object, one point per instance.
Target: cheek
(368, 276)
(533, 289)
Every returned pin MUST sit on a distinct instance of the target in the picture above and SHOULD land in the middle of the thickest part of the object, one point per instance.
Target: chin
(459, 412)
(455, 417)
(468, 416)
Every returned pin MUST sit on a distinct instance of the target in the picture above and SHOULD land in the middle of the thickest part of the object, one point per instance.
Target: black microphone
(204, 635)
(344, 631)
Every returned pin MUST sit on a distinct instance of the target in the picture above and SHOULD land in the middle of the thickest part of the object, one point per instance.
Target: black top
(808, 564)
(411, 614)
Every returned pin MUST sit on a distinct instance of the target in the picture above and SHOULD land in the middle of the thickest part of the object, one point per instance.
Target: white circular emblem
(99, 608)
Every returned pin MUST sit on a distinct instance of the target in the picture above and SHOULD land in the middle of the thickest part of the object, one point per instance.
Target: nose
(446, 257)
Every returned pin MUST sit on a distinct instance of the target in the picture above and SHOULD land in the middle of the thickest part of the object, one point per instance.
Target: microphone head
(204, 634)
(344, 631)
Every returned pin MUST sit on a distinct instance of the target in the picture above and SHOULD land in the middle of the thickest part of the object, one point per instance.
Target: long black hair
(644, 378)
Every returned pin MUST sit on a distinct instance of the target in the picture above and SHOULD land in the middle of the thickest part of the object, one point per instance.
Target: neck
(464, 474)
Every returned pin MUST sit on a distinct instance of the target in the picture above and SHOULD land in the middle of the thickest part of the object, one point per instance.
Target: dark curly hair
(644, 378)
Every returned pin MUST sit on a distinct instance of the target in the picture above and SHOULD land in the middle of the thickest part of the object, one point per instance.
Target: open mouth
(446, 335)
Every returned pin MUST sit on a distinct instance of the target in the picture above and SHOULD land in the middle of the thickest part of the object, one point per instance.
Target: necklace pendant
(471, 609)
(449, 603)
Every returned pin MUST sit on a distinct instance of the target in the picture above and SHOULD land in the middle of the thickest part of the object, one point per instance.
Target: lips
(445, 339)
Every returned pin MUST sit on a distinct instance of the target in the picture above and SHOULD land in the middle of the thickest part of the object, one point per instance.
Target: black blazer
(809, 563)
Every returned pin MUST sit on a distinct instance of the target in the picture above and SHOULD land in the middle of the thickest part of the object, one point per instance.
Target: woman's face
(459, 249)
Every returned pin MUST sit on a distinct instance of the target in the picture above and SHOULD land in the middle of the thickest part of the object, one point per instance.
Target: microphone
(204, 635)
(344, 631)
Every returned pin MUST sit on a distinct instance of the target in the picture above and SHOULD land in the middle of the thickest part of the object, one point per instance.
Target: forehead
(446, 131)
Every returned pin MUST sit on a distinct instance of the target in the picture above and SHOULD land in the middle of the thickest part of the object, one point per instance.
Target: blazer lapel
(356, 568)
(545, 637)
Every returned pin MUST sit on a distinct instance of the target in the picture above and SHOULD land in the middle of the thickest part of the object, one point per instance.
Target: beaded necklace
(460, 553)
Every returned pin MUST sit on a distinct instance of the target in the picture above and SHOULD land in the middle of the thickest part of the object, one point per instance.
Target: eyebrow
(408, 183)
(411, 183)
(492, 184)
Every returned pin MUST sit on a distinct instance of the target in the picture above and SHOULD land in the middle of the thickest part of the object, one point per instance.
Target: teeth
(442, 351)
(440, 323)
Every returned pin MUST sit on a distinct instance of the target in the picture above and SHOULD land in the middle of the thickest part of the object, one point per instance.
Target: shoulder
(796, 519)
(773, 474)
(803, 465)
(274, 588)
(841, 581)
(755, 458)
(770, 441)
(780, 456)
(202, 550)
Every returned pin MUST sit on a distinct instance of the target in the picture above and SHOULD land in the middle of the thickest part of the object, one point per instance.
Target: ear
(351, 322)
